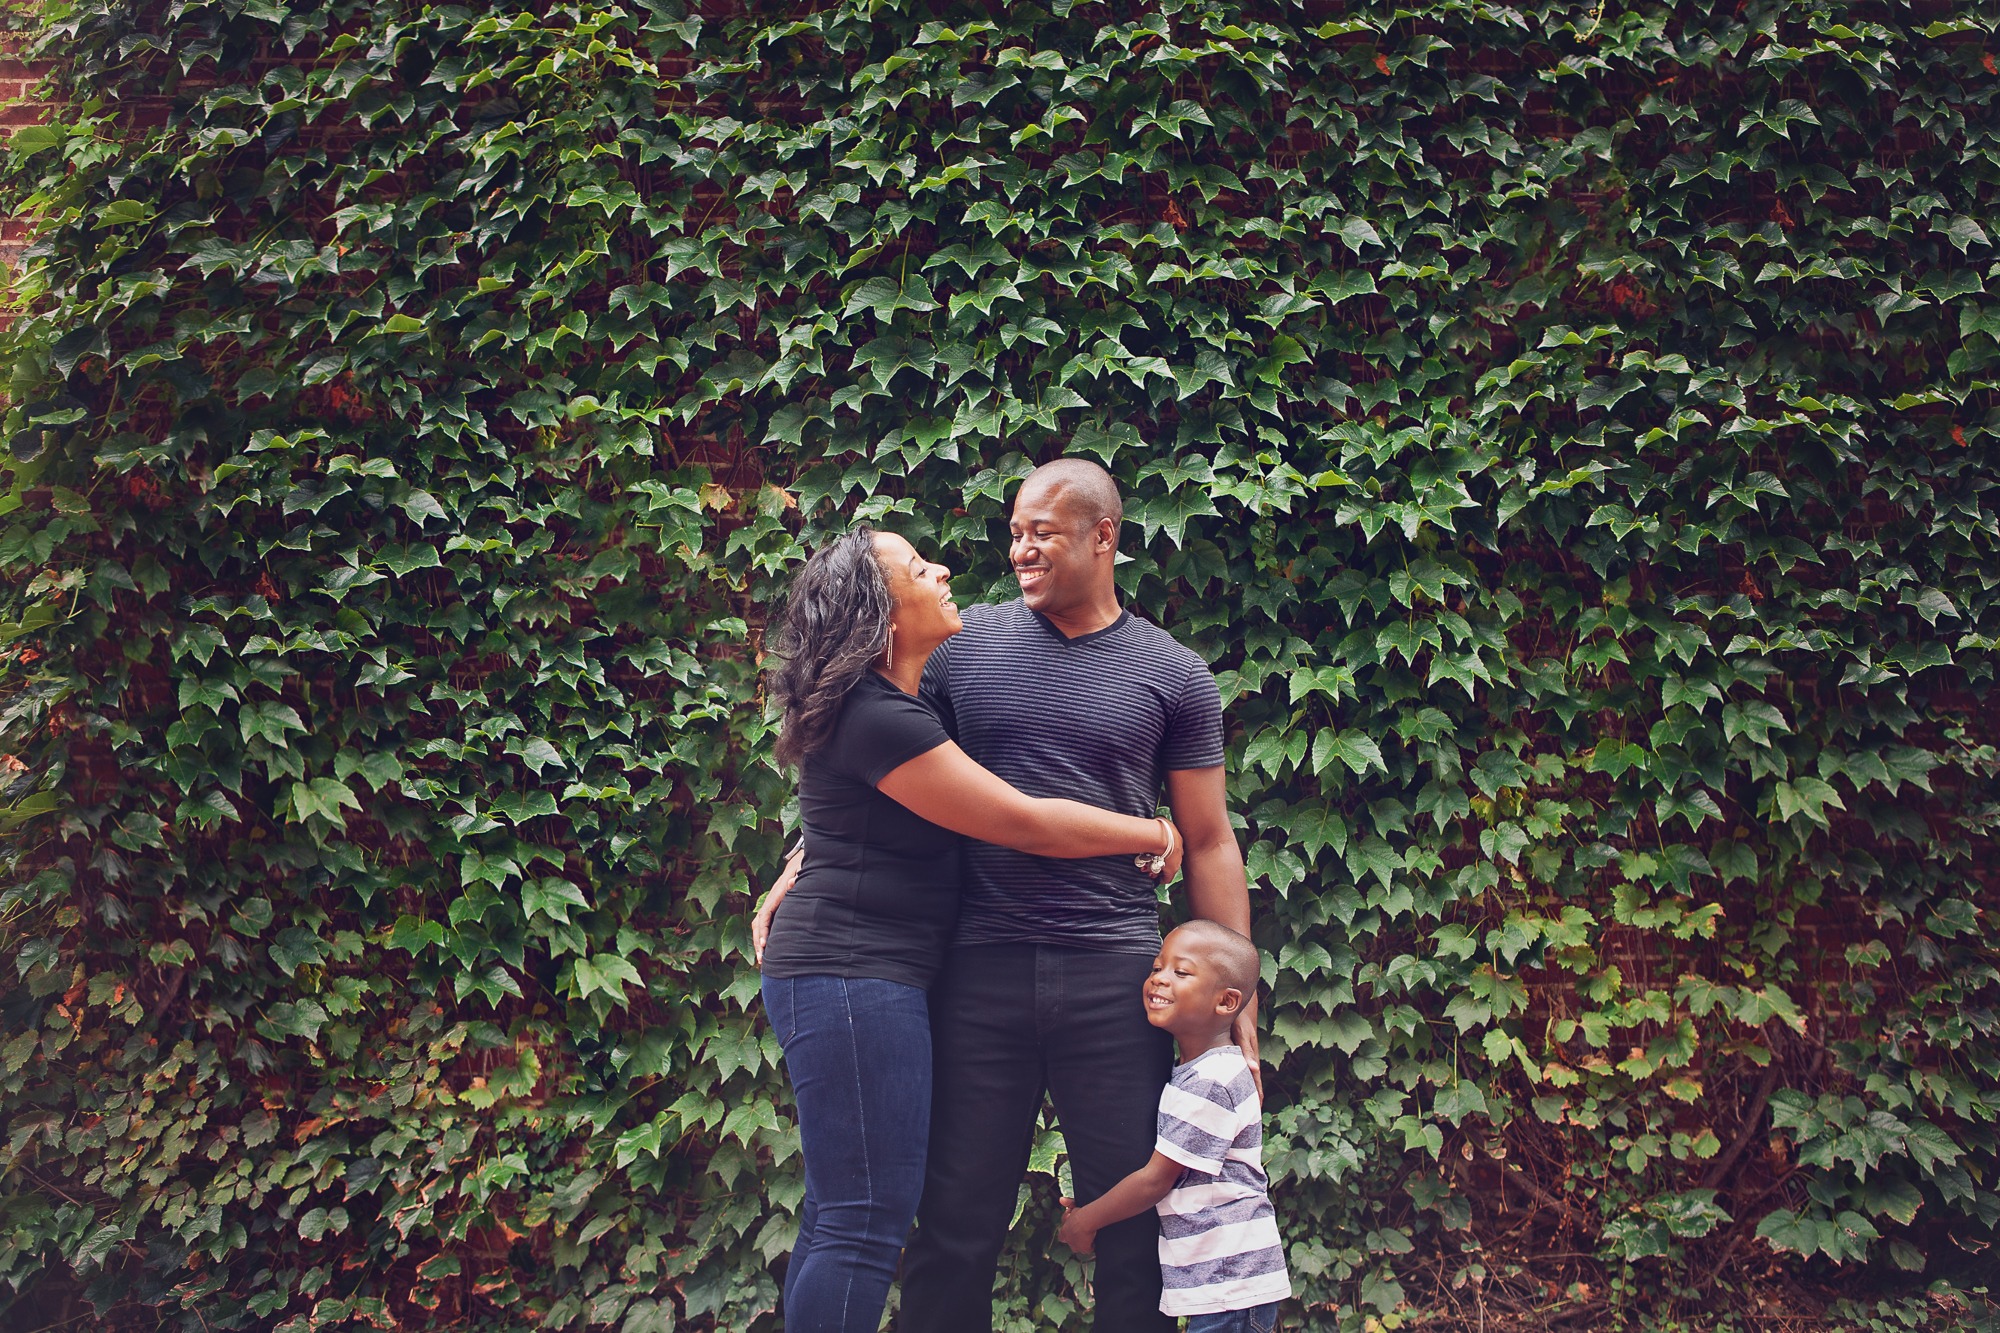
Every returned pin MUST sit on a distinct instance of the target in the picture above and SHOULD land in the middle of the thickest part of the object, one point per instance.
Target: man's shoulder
(985, 617)
(992, 631)
(1157, 639)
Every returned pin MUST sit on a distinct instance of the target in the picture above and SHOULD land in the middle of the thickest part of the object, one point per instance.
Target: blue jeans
(858, 1052)
(1258, 1319)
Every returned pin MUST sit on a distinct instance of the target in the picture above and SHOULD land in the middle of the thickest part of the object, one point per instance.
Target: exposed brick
(19, 81)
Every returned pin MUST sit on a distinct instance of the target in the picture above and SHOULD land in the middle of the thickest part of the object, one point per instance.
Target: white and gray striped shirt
(1219, 1245)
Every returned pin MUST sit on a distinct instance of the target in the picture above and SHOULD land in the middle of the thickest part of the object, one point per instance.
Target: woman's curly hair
(831, 629)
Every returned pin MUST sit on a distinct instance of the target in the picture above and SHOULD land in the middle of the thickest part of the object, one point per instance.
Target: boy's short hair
(1234, 956)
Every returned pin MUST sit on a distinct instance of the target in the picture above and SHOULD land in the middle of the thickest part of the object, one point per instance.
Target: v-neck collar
(1060, 637)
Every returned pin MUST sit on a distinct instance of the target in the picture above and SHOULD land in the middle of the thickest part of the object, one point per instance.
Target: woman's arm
(1128, 1198)
(946, 787)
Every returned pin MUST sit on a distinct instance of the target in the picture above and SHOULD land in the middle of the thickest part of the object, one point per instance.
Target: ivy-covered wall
(1568, 429)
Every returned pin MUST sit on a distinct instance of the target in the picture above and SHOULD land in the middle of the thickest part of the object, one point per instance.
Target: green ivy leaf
(551, 897)
(1356, 750)
(606, 973)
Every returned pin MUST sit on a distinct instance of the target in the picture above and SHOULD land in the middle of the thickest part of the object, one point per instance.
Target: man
(1062, 692)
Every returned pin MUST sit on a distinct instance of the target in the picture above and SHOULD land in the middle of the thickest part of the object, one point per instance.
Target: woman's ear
(1228, 1000)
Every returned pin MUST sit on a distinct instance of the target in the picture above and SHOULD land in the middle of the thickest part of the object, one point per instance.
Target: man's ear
(1228, 1000)
(1105, 534)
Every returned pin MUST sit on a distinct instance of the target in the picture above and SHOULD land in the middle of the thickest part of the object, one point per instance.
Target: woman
(884, 795)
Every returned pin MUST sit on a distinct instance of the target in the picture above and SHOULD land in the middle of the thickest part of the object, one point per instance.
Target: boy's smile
(1185, 993)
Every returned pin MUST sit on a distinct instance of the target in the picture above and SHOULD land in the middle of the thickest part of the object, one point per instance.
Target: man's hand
(1081, 1238)
(1243, 1031)
(760, 925)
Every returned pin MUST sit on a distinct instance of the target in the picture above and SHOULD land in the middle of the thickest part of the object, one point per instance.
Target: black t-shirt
(1100, 718)
(878, 893)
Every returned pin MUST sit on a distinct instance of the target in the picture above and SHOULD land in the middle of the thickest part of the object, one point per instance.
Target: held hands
(1080, 1238)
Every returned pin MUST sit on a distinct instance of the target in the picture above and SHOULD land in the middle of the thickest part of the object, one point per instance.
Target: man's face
(1054, 550)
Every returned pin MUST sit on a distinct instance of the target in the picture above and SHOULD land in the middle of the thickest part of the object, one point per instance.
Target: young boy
(1220, 1254)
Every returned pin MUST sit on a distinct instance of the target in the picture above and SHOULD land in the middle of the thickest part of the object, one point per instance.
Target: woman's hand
(1170, 864)
(760, 925)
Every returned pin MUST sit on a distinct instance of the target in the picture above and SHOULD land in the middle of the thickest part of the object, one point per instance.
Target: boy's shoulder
(1218, 1074)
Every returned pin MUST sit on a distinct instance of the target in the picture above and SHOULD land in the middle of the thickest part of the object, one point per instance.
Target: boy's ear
(1228, 1000)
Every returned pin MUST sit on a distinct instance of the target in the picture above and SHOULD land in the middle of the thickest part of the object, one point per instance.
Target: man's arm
(760, 925)
(1217, 887)
(1128, 1198)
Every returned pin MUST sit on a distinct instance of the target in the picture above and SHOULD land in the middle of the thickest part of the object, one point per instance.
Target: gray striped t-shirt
(1219, 1245)
(1101, 718)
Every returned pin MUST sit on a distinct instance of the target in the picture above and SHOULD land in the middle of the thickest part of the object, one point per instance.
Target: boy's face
(1186, 991)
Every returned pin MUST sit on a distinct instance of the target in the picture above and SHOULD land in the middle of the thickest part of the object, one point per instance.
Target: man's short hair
(1081, 488)
(1231, 952)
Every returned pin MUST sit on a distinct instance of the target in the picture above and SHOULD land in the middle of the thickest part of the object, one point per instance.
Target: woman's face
(921, 589)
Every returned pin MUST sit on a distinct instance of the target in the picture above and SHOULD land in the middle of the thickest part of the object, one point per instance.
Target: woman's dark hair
(833, 626)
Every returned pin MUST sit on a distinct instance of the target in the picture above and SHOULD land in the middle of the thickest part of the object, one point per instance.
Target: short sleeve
(1198, 1123)
(1194, 723)
(881, 731)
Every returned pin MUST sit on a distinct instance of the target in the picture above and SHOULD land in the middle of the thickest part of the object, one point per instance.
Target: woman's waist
(840, 915)
(855, 846)
(927, 891)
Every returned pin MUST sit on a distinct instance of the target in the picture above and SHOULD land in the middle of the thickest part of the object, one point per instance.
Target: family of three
(971, 922)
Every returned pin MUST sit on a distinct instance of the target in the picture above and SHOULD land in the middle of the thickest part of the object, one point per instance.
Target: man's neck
(1099, 613)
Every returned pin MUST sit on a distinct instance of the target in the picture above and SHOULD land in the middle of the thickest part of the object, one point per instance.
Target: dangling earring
(889, 662)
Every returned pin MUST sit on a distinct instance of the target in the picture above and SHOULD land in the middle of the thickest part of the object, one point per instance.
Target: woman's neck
(907, 674)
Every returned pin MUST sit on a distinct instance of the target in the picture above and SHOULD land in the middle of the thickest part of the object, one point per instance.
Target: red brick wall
(19, 83)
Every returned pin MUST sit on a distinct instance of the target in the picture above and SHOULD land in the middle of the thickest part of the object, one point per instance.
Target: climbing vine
(1567, 429)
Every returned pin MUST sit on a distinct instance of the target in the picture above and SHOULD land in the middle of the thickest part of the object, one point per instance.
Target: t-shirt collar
(1225, 1050)
(1050, 626)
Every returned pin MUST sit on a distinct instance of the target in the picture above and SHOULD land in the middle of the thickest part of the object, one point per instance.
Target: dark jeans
(1008, 1023)
(858, 1052)
(1259, 1319)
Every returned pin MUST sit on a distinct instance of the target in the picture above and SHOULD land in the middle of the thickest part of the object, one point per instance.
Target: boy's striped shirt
(1219, 1245)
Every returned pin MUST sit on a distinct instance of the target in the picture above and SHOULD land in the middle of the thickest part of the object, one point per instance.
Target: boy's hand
(1081, 1238)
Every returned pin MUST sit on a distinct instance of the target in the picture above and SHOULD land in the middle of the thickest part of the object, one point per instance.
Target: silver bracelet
(1154, 863)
